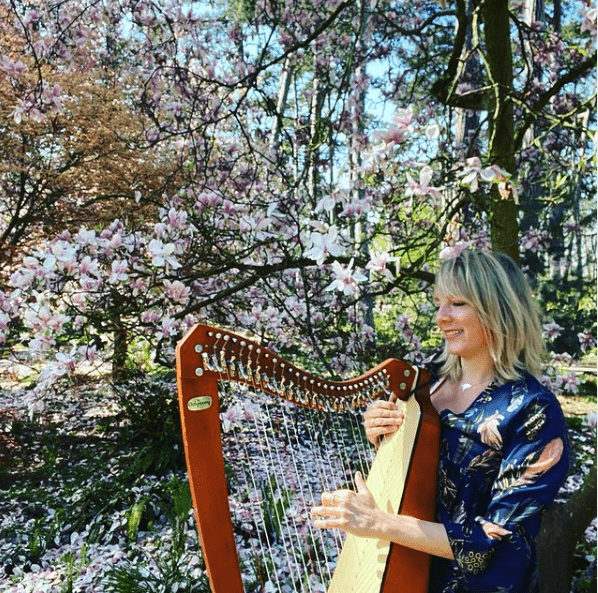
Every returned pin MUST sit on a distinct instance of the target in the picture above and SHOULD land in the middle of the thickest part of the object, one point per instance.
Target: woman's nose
(442, 312)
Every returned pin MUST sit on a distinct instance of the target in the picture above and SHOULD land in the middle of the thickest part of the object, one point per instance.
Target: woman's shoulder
(529, 403)
(530, 391)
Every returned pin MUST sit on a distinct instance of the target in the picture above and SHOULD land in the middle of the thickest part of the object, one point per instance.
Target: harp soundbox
(255, 531)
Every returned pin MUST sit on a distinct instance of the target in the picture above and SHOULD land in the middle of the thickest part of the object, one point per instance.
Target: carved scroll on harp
(310, 412)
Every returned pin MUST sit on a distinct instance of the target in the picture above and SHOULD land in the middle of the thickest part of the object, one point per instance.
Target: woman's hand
(353, 512)
(358, 513)
(380, 419)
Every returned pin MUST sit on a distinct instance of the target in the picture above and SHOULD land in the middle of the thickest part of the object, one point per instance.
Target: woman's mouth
(452, 333)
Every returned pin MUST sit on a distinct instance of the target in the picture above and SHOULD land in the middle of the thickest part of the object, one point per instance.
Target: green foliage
(572, 305)
(134, 516)
(67, 586)
(168, 578)
(150, 407)
(275, 503)
(166, 571)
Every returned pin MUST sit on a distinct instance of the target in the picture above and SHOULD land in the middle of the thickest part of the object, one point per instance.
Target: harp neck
(210, 353)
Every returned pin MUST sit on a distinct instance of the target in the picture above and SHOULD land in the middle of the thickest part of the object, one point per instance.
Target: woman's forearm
(356, 512)
(410, 532)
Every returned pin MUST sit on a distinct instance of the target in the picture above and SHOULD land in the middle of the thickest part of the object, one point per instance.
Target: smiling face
(461, 327)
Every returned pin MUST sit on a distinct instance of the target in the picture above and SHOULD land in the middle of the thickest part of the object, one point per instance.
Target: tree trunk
(562, 527)
(504, 226)
(119, 355)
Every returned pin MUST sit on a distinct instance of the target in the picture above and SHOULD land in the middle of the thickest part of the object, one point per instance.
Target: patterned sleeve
(494, 549)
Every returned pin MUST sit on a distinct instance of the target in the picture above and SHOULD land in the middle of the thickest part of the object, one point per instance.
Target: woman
(504, 451)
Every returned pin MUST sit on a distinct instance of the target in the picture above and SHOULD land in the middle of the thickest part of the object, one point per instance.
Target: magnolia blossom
(176, 291)
(326, 203)
(89, 266)
(347, 279)
(89, 284)
(168, 327)
(43, 265)
(591, 419)
(238, 413)
(324, 245)
(22, 278)
(533, 240)
(552, 330)
(378, 264)
(570, 383)
(176, 219)
(473, 173)
(85, 237)
(453, 251)
(119, 271)
(422, 187)
(64, 252)
(138, 286)
(586, 340)
(163, 254)
(150, 316)
(88, 352)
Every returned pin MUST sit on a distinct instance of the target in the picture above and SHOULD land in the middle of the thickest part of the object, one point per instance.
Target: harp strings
(280, 457)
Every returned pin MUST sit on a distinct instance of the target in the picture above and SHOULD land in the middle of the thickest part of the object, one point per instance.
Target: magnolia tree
(307, 174)
(307, 160)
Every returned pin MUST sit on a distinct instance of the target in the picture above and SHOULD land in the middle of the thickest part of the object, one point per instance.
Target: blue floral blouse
(502, 462)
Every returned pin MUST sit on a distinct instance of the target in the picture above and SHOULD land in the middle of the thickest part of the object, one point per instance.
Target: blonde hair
(497, 289)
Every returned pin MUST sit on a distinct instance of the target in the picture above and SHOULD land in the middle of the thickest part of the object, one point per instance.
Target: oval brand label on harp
(197, 404)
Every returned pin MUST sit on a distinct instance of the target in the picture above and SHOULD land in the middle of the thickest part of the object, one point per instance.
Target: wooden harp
(403, 472)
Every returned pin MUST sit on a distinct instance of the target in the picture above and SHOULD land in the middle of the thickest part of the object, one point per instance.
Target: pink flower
(378, 264)
(423, 187)
(453, 251)
(119, 271)
(586, 340)
(88, 267)
(570, 383)
(168, 327)
(534, 239)
(176, 290)
(552, 330)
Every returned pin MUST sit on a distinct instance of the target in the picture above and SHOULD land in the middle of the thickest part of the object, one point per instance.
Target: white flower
(347, 279)
(323, 245)
(378, 264)
(163, 254)
(85, 237)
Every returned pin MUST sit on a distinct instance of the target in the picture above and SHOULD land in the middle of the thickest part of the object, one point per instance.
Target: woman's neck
(476, 372)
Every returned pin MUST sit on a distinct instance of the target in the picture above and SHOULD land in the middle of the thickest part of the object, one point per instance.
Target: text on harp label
(197, 404)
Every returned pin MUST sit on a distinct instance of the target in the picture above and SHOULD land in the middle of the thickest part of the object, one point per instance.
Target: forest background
(288, 169)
